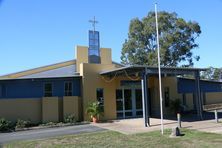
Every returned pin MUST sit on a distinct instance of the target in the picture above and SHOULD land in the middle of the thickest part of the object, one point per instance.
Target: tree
(212, 74)
(177, 39)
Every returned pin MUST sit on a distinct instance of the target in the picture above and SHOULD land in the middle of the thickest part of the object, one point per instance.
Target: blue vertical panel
(77, 87)
(59, 86)
(3, 91)
(94, 47)
(34, 88)
(211, 86)
(188, 86)
(185, 86)
(24, 89)
(0, 90)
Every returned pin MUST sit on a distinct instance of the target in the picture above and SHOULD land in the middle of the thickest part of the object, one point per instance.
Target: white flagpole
(160, 85)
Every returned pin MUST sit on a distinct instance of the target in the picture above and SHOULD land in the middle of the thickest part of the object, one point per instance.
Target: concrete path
(46, 133)
(132, 126)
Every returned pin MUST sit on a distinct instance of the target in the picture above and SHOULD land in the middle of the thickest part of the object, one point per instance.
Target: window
(119, 100)
(68, 88)
(94, 48)
(204, 98)
(167, 96)
(194, 102)
(184, 100)
(100, 98)
(48, 90)
(0, 91)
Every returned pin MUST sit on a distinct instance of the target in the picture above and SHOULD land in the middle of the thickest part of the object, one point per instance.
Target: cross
(94, 23)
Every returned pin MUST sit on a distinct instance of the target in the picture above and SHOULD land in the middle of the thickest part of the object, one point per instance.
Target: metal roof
(151, 69)
(37, 68)
(62, 72)
(67, 71)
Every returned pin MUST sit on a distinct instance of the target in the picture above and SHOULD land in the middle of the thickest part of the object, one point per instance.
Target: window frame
(101, 103)
(44, 92)
(167, 98)
(67, 92)
(1, 91)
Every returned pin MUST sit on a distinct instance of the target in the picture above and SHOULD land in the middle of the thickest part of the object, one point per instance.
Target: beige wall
(25, 109)
(72, 105)
(50, 109)
(106, 55)
(213, 98)
(81, 56)
(37, 110)
(189, 99)
(92, 80)
(170, 82)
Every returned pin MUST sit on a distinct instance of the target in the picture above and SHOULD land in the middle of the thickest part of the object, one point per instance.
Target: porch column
(145, 101)
(198, 95)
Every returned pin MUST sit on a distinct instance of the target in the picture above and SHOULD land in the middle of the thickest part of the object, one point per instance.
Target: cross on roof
(94, 23)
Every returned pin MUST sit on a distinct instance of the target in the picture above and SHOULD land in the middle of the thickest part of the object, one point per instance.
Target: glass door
(124, 103)
(128, 103)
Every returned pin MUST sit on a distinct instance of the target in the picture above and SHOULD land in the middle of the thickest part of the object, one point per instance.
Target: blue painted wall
(34, 88)
(188, 86)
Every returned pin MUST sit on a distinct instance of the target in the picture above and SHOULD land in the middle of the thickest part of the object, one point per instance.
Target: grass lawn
(114, 139)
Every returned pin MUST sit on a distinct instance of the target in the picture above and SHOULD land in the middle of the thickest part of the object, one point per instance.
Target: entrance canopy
(140, 70)
(145, 71)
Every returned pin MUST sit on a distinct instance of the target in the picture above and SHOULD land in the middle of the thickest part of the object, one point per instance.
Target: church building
(49, 93)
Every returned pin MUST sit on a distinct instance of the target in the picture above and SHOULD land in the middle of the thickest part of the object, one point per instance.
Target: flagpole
(160, 84)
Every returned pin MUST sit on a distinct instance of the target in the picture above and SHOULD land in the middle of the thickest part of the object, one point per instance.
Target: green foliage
(177, 39)
(23, 123)
(49, 124)
(94, 109)
(5, 125)
(175, 106)
(70, 118)
(212, 74)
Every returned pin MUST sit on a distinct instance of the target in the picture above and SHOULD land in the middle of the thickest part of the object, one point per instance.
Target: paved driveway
(132, 126)
(46, 133)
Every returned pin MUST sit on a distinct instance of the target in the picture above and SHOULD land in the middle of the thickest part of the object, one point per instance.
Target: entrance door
(128, 103)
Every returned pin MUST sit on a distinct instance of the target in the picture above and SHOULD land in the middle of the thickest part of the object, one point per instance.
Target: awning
(152, 70)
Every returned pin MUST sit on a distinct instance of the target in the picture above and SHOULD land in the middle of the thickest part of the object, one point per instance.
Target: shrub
(94, 109)
(5, 125)
(175, 106)
(49, 124)
(70, 118)
(22, 123)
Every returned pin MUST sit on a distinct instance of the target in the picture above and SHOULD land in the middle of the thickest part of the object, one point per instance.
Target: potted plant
(94, 110)
(175, 106)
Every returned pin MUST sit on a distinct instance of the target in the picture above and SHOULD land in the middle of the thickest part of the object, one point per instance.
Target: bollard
(179, 120)
(216, 116)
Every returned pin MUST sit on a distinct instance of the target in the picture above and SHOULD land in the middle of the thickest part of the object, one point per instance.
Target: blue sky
(40, 32)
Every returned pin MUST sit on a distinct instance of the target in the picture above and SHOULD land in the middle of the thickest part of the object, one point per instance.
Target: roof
(58, 70)
(150, 69)
(67, 71)
(62, 69)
